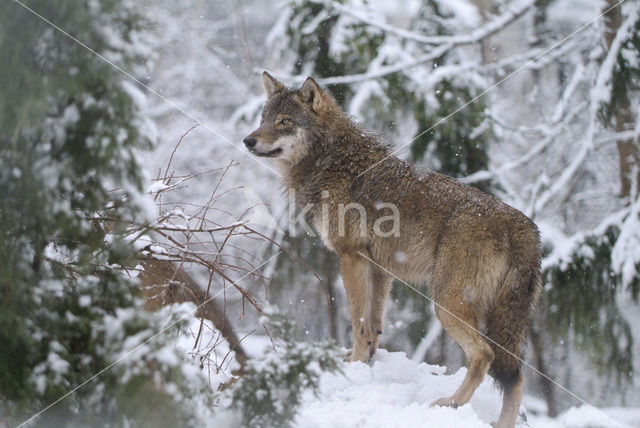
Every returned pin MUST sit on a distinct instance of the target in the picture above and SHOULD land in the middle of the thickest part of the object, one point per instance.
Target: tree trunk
(628, 152)
(546, 385)
(488, 48)
(164, 284)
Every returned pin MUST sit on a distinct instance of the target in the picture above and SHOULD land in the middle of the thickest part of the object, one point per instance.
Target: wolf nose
(250, 142)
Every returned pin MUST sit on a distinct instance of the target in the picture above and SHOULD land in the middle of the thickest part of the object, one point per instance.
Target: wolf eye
(285, 121)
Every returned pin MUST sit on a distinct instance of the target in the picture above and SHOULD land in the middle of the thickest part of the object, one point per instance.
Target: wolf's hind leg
(511, 398)
(463, 328)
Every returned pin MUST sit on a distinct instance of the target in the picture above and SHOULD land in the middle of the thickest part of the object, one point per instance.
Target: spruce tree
(69, 187)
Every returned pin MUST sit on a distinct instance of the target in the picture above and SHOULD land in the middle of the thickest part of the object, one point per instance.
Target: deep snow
(396, 392)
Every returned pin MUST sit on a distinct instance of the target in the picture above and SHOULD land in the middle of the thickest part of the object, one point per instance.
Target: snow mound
(396, 392)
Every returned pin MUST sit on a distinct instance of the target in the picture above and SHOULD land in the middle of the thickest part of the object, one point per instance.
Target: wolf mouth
(269, 154)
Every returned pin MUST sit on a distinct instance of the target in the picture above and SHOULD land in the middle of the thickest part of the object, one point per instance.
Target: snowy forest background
(124, 187)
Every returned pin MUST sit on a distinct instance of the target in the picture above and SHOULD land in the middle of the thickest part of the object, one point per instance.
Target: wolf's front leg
(366, 287)
(354, 273)
(379, 285)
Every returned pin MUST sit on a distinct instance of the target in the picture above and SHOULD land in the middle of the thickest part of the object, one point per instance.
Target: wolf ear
(311, 93)
(271, 85)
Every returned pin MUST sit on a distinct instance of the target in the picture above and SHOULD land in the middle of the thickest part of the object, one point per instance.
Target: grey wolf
(479, 257)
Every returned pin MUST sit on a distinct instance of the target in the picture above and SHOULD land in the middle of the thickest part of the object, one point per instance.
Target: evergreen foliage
(582, 300)
(69, 126)
(271, 388)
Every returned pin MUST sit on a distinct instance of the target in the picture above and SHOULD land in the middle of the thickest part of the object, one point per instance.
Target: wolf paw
(350, 356)
(347, 355)
(445, 402)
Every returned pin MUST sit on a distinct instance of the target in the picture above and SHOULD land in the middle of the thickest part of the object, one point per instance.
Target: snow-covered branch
(550, 134)
(441, 45)
(475, 36)
(599, 93)
(375, 73)
(565, 246)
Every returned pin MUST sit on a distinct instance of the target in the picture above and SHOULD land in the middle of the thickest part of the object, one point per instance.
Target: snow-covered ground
(396, 392)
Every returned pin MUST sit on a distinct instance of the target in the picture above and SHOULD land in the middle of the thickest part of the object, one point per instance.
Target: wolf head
(288, 118)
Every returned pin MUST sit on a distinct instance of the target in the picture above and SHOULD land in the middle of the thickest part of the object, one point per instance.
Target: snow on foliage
(74, 332)
(270, 390)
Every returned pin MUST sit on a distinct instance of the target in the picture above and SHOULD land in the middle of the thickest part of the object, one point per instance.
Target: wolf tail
(509, 320)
